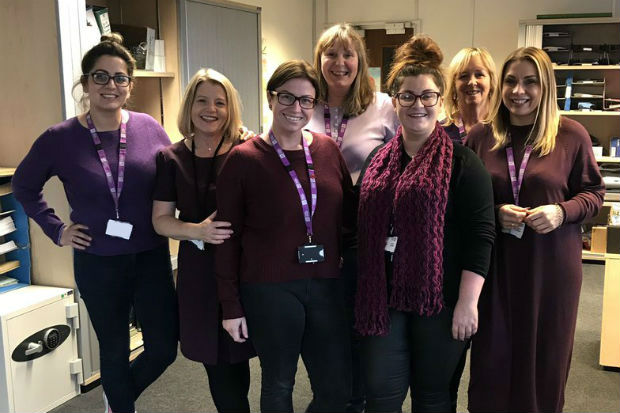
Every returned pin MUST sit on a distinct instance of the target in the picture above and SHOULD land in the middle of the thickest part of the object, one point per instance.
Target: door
(381, 48)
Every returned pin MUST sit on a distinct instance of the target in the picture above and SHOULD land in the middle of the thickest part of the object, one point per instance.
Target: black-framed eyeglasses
(102, 78)
(428, 99)
(288, 99)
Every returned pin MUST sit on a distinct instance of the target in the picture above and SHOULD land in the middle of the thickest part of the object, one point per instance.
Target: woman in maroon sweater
(278, 275)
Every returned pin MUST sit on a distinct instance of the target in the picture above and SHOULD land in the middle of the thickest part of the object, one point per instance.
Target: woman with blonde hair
(426, 230)
(470, 91)
(545, 183)
(210, 121)
(358, 119)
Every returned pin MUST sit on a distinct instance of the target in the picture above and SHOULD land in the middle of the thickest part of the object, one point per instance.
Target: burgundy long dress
(201, 334)
(528, 308)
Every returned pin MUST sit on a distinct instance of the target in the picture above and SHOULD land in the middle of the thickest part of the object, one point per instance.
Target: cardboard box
(613, 240)
(599, 240)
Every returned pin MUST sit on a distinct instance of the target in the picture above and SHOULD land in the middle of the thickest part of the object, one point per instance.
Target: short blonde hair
(361, 94)
(543, 134)
(233, 123)
(457, 65)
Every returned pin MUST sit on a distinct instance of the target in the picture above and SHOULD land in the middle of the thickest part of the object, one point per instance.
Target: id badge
(390, 244)
(118, 229)
(515, 232)
(200, 244)
(310, 254)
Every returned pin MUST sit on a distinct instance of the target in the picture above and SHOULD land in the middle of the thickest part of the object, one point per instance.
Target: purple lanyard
(302, 195)
(328, 126)
(122, 152)
(517, 181)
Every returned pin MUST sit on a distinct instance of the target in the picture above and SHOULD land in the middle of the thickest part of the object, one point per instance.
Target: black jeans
(418, 352)
(304, 317)
(109, 286)
(229, 385)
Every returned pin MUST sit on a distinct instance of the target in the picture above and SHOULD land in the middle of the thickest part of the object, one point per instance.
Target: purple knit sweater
(66, 150)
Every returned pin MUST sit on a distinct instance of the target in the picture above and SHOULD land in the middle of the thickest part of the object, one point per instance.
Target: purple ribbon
(328, 126)
(308, 210)
(515, 180)
(115, 190)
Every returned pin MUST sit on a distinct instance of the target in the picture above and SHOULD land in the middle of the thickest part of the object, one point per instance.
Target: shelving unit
(14, 263)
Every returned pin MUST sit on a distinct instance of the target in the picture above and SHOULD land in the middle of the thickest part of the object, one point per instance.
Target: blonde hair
(233, 123)
(361, 94)
(547, 121)
(419, 55)
(457, 65)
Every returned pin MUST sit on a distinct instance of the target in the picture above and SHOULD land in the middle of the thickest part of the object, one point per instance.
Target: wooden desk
(610, 329)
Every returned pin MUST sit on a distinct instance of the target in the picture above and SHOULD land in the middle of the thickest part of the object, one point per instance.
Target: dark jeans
(418, 352)
(229, 385)
(304, 317)
(109, 286)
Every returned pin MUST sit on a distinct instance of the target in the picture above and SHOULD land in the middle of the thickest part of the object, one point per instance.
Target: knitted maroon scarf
(419, 196)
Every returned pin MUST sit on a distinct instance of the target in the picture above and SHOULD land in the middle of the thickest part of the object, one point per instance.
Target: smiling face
(108, 97)
(290, 120)
(209, 110)
(339, 64)
(418, 120)
(521, 92)
(473, 83)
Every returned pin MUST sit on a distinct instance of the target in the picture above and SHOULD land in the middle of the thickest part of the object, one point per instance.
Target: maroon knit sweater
(256, 194)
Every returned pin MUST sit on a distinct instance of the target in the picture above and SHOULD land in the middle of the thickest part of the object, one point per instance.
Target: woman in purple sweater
(278, 275)
(105, 159)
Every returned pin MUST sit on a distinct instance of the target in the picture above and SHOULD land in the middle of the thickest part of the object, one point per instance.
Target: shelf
(612, 197)
(608, 159)
(589, 113)
(586, 67)
(148, 73)
(592, 256)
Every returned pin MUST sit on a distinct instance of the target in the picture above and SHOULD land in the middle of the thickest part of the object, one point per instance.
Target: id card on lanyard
(516, 181)
(308, 253)
(328, 126)
(114, 227)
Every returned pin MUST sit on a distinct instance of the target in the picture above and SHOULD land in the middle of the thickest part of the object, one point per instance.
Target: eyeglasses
(102, 78)
(288, 99)
(428, 99)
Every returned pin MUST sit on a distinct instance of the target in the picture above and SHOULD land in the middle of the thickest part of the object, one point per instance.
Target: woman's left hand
(545, 218)
(245, 134)
(464, 319)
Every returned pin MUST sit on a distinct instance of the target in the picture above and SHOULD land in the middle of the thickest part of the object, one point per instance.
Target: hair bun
(112, 38)
(420, 50)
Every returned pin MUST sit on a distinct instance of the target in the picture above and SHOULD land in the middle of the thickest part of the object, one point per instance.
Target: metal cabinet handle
(34, 348)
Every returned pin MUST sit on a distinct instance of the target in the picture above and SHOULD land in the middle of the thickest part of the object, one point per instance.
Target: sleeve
(476, 215)
(165, 182)
(585, 183)
(230, 207)
(350, 200)
(390, 119)
(28, 181)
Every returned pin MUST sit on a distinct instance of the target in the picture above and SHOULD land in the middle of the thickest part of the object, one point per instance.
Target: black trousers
(109, 286)
(300, 317)
(418, 353)
(229, 385)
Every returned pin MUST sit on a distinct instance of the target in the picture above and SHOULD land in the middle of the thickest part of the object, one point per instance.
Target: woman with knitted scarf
(426, 229)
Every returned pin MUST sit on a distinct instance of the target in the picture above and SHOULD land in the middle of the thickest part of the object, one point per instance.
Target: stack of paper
(7, 247)
(4, 281)
(6, 226)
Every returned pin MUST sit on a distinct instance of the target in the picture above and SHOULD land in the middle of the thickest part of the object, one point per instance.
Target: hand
(237, 328)
(511, 216)
(545, 218)
(74, 237)
(464, 319)
(245, 134)
(213, 232)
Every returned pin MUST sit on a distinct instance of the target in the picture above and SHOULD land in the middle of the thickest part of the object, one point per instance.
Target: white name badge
(200, 244)
(390, 244)
(516, 232)
(118, 229)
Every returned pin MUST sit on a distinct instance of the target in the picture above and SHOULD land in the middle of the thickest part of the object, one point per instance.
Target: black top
(469, 226)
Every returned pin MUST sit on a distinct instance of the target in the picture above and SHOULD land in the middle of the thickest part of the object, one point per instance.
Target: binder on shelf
(568, 90)
(103, 19)
(92, 34)
(159, 63)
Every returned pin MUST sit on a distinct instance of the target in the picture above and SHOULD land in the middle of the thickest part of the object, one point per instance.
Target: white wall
(455, 24)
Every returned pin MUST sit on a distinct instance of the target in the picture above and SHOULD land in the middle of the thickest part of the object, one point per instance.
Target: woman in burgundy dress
(210, 120)
(545, 182)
